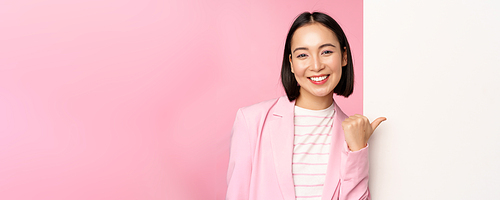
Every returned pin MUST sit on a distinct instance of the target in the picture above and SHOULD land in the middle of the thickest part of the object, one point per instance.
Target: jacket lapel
(333, 171)
(282, 133)
(281, 125)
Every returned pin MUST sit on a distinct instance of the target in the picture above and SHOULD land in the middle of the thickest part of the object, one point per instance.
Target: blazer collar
(284, 107)
(281, 131)
(281, 127)
(332, 185)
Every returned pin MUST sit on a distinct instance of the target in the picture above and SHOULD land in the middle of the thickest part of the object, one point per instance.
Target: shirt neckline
(323, 111)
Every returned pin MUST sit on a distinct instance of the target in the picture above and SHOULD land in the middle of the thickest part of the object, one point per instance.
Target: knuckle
(347, 125)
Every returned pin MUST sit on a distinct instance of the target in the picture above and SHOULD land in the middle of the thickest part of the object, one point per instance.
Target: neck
(312, 102)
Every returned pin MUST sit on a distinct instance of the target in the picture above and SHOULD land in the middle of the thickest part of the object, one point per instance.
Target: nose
(317, 65)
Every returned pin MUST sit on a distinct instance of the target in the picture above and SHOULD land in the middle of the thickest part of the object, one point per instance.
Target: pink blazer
(260, 161)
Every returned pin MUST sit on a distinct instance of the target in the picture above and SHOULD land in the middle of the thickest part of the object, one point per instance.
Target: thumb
(377, 122)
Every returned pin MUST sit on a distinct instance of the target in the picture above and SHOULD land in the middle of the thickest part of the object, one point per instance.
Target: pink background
(136, 99)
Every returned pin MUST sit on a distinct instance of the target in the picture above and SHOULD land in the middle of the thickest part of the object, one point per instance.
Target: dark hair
(345, 86)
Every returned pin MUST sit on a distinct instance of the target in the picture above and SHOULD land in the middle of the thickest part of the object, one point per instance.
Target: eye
(326, 52)
(302, 55)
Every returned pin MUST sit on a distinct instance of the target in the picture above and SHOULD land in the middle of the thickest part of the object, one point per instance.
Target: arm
(240, 160)
(354, 166)
(354, 158)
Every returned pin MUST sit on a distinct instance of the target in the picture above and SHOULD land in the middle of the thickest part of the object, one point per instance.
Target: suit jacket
(260, 161)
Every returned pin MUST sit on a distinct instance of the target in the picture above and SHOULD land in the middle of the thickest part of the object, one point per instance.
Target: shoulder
(250, 119)
(260, 108)
(259, 112)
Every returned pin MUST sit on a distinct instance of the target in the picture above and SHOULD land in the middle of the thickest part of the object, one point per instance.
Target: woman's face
(316, 60)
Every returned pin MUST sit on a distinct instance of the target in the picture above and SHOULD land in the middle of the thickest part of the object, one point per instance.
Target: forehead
(314, 34)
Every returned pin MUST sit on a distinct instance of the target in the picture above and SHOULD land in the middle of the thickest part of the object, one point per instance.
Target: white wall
(433, 69)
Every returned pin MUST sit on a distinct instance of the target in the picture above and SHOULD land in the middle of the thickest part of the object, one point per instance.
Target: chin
(323, 94)
(318, 92)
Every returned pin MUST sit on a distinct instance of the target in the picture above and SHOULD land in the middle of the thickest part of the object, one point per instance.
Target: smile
(318, 80)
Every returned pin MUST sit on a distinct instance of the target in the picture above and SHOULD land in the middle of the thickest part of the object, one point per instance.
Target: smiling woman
(316, 62)
(302, 145)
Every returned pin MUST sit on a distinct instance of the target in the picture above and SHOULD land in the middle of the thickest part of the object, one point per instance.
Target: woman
(302, 146)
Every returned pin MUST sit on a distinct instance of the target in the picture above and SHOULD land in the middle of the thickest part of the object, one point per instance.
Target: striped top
(311, 151)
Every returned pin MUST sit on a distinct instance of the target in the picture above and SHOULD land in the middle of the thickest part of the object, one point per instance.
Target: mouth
(318, 80)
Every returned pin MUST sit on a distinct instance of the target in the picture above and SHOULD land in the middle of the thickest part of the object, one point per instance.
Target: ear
(344, 57)
(290, 60)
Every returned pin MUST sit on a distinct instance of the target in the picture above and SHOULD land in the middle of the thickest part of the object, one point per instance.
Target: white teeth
(318, 78)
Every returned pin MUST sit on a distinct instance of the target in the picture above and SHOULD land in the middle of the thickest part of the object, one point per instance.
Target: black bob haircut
(345, 86)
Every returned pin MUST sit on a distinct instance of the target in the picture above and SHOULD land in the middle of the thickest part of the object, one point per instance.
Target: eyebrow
(304, 48)
(327, 44)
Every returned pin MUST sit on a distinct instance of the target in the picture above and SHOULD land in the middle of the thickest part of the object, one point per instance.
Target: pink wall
(136, 99)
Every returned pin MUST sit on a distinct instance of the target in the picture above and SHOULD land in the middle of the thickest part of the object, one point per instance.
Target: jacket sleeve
(240, 160)
(354, 167)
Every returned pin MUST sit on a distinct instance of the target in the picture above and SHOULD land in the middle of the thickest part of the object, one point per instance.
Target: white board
(433, 69)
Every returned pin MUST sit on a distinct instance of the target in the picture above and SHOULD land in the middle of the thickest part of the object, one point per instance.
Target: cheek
(335, 64)
(298, 71)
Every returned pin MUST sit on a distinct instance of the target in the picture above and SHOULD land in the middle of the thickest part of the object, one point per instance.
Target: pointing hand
(357, 130)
